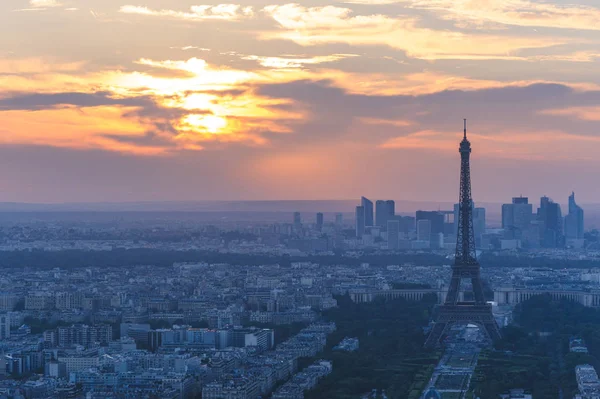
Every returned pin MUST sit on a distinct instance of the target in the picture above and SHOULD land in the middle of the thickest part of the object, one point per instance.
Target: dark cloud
(150, 139)
(38, 101)
(335, 111)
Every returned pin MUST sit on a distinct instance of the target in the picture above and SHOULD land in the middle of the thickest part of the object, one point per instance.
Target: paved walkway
(456, 367)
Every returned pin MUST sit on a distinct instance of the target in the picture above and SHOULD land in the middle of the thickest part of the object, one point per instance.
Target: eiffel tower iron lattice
(465, 267)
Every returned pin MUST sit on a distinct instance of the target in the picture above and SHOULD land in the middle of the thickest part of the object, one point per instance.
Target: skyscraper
(550, 217)
(436, 220)
(339, 219)
(393, 234)
(478, 225)
(360, 221)
(319, 221)
(407, 223)
(368, 205)
(424, 230)
(516, 217)
(574, 220)
(297, 220)
(385, 210)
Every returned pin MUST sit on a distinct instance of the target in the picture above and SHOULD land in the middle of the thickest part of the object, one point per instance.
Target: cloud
(421, 121)
(44, 3)
(549, 145)
(514, 12)
(373, 2)
(330, 24)
(25, 66)
(583, 113)
(40, 5)
(35, 102)
(207, 105)
(292, 62)
(226, 12)
(186, 48)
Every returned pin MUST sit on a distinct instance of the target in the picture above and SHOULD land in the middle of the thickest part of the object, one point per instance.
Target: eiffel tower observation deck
(466, 267)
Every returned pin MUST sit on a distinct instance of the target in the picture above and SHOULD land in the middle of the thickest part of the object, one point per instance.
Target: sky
(166, 100)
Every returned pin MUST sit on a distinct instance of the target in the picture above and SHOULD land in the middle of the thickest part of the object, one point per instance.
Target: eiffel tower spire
(454, 310)
(465, 237)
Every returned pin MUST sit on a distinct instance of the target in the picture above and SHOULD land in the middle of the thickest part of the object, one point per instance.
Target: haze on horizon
(161, 100)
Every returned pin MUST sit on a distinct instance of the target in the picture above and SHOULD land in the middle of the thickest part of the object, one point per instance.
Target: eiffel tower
(466, 267)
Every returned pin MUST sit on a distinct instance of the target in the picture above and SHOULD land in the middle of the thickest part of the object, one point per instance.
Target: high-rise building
(550, 217)
(436, 220)
(393, 234)
(517, 217)
(384, 211)
(424, 230)
(522, 213)
(339, 219)
(368, 205)
(360, 221)
(407, 223)
(508, 216)
(478, 225)
(297, 220)
(319, 221)
(574, 220)
(391, 206)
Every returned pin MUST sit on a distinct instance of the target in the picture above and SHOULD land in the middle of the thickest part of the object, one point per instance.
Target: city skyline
(258, 100)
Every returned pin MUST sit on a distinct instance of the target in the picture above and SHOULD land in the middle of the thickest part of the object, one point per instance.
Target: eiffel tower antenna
(454, 309)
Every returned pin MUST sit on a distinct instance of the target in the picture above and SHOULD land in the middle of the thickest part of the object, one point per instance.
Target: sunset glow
(280, 89)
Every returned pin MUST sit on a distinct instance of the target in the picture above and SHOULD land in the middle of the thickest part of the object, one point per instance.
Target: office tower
(508, 216)
(437, 223)
(368, 205)
(360, 221)
(384, 211)
(297, 220)
(550, 217)
(380, 213)
(393, 234)
(517, 217)
(449, 222)
(391, 207)
(478, 225)
(574, 220)
(319, 221)
(424, 230)
(339, 219)
(407, 224)
(522, 213)
(520, 200)
(465, 266)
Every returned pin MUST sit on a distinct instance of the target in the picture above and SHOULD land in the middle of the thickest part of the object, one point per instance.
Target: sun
(212, 123)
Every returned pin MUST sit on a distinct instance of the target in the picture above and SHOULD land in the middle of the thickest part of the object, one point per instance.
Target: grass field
(461, 360)
(451, 381)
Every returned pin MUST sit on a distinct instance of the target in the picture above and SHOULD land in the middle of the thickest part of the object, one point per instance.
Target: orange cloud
(74, 128)
(584, 113)
(514, 12)
(330, 24)
(227, 12)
